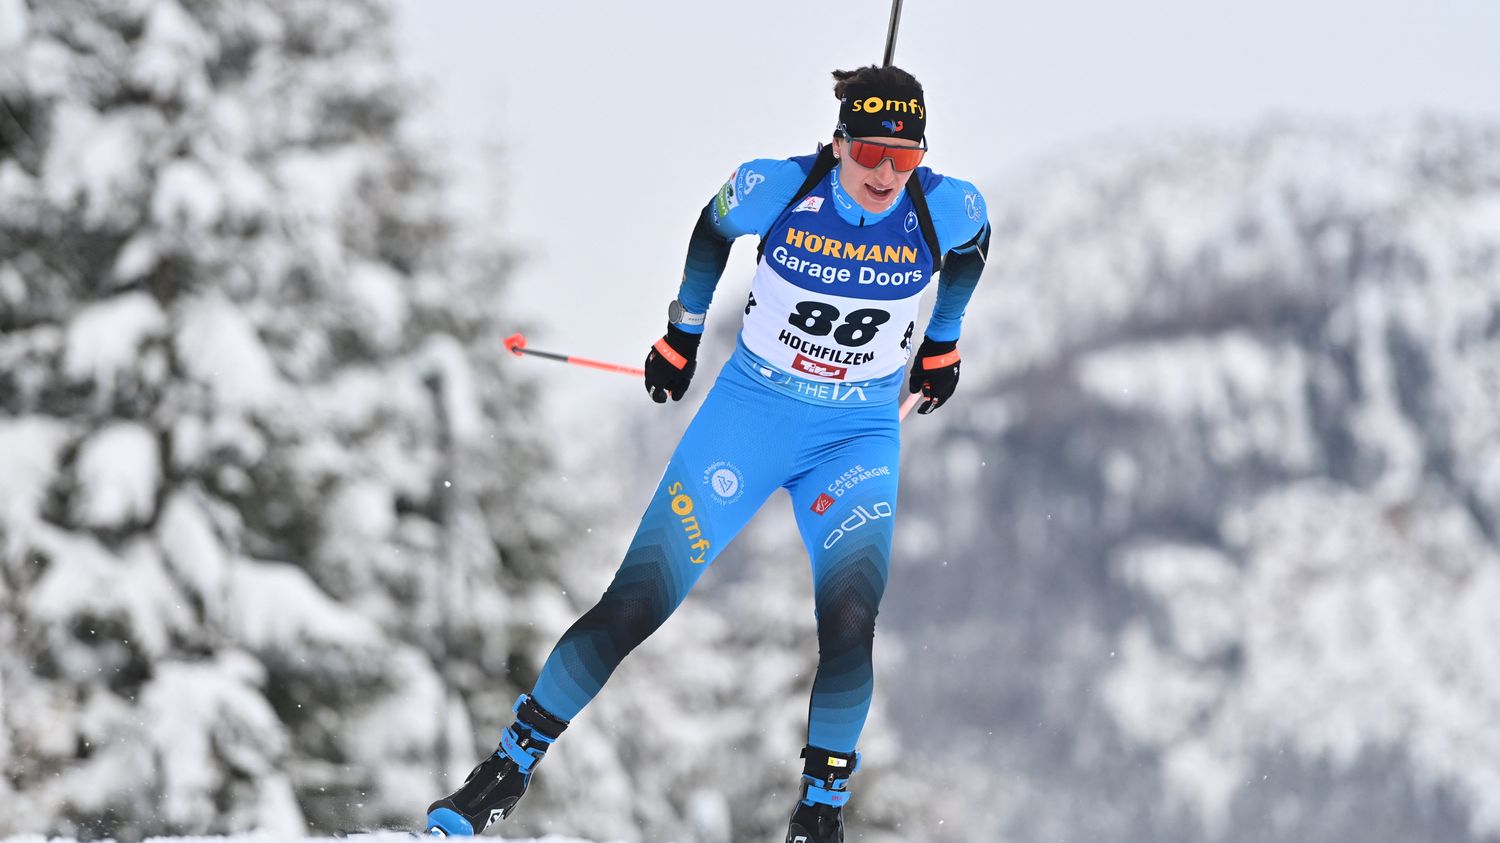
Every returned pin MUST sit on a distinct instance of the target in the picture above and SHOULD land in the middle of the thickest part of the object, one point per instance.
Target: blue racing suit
(808, 402)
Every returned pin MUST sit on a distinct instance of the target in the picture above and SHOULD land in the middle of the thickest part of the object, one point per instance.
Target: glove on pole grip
(670, 353)
(935, 372)
(670, 364)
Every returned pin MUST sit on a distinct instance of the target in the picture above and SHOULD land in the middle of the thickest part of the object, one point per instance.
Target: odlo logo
(859, 518)
(682, 505)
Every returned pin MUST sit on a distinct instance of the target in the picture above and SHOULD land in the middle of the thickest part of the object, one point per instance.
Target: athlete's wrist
(679, 315)
(684, 342)
(933, 354)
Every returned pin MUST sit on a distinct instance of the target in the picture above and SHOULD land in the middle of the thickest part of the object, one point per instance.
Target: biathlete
(850, 237)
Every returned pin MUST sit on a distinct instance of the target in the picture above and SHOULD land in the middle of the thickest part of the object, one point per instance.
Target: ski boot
(493, 788)
(818, 817)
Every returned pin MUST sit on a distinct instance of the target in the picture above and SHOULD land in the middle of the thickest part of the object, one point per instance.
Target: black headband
(883, 111)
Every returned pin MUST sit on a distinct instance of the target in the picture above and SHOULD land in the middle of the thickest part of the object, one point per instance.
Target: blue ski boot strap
(524, 746)
(527, 739)
(814, 793)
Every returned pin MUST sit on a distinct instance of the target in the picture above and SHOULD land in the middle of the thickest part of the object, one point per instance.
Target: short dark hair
(888, 75)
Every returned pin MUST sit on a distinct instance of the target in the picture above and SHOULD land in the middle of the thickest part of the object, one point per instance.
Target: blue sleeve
(963, 229)
(749, 202)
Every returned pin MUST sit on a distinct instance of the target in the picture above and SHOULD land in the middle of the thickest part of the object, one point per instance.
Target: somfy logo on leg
(682, 506)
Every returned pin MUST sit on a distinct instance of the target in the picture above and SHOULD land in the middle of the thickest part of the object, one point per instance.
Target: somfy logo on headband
(875, 105)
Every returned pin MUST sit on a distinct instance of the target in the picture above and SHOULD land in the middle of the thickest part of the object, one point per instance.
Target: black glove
(670, 365)
(934, 373)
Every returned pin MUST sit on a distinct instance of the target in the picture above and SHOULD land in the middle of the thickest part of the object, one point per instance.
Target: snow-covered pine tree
(252, 428)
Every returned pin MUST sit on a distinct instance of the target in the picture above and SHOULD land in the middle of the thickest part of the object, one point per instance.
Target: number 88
(859, 327)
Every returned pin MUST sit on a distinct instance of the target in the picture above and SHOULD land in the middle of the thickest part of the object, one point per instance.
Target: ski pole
(516, 344)
(890, 35)
(911, 401)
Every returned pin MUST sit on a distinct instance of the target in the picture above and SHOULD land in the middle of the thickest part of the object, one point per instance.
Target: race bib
(825, 336)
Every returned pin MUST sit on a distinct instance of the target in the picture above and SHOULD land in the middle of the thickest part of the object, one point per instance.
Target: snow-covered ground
(374, 837)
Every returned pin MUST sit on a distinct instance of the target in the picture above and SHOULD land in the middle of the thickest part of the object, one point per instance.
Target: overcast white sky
(590, 134)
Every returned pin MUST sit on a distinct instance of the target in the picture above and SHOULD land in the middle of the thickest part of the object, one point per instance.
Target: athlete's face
(875, 189)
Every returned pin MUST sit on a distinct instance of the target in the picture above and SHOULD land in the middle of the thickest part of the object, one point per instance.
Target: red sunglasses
(870, 154)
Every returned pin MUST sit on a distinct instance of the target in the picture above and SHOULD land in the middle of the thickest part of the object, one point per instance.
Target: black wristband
(683, 342)
(935, 348)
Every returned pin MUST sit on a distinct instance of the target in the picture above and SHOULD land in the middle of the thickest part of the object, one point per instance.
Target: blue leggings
(839, 462)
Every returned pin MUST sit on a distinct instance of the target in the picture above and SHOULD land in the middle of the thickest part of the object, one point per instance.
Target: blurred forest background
(1206, 548)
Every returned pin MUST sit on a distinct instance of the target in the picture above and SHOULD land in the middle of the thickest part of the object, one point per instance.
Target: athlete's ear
(835, 145)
